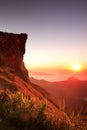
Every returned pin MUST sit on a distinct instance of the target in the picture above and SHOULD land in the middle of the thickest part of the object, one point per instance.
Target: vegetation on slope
(18, 112)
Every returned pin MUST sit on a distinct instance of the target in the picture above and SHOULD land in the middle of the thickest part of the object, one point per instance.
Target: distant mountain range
(73, 91)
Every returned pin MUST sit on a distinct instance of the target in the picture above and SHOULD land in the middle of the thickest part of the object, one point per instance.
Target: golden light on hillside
(76, 67)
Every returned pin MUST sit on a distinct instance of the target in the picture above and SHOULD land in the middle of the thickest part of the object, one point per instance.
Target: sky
(57, 31)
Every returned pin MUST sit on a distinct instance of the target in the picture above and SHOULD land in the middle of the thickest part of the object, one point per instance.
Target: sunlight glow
(76, 67)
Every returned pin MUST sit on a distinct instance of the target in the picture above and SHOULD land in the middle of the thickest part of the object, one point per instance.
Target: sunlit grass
(29, 113)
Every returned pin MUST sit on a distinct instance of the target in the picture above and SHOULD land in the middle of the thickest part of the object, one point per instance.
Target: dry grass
(20, 112)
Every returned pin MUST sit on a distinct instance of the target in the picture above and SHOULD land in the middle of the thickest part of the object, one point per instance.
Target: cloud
(40, 73)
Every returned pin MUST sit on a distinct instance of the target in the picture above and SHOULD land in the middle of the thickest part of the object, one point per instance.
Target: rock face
(13, 74)
(12, 49)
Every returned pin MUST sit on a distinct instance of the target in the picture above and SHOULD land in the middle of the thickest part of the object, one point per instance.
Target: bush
(18, 112)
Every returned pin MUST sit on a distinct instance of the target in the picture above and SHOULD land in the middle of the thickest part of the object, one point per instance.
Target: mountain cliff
(13, 73)
(12, 49)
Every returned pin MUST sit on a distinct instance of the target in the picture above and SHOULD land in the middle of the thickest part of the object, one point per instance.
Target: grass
(18, 112)
(7, 85)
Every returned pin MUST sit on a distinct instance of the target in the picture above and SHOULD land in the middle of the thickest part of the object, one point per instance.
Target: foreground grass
(23, 113)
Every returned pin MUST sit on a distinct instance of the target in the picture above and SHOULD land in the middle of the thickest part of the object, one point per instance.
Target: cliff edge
(13, 74)
(12, 49)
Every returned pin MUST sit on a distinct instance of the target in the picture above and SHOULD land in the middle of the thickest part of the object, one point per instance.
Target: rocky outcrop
(13, 74)
(12, 49)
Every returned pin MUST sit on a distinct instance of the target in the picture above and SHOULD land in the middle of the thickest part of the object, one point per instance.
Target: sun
(76, 67)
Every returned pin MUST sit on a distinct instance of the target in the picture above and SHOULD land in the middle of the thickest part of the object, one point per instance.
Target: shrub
(18, 112)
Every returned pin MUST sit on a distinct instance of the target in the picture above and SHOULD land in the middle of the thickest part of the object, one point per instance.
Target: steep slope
(13, 74)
